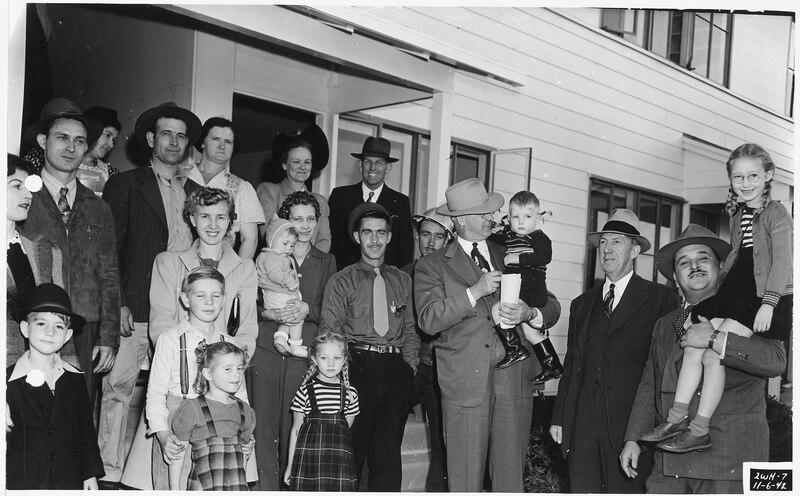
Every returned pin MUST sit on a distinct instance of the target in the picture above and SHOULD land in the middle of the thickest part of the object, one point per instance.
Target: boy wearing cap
(51, 443)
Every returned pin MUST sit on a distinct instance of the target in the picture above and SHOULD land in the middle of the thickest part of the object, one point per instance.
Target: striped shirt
(328, 398)
(747, 227)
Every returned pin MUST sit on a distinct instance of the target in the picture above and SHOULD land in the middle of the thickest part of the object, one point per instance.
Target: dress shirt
(347, 308)
(619, 288)
(14, 239)
(248, 208)
(24, 366)
(366, 191)
(54, 186)
(170, 185)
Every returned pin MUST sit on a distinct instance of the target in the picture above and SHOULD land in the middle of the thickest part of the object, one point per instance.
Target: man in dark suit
(486, 411)
(375, 162)
(607, 343)
(147, 204)
(739, 425)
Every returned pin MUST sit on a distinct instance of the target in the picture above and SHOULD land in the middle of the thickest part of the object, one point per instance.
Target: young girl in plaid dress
(216, 423)
(320, 447)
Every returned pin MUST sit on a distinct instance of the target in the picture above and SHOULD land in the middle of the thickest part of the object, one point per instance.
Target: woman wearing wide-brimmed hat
(300, 155)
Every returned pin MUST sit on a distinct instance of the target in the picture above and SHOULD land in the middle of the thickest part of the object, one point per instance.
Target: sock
(295, 342)
(678, 412)
(699, 425)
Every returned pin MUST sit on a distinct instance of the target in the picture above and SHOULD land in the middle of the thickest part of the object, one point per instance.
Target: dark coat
(399, 252)
(53, 435)
(626, 345)
(141, 223)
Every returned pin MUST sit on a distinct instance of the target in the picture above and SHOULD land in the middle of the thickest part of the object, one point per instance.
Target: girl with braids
(756, 293)
(216, 423)
(320, 447)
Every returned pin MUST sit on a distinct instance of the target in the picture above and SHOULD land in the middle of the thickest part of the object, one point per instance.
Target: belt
(377, 348)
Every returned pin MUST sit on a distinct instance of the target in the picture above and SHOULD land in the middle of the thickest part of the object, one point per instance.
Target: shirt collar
(483, 248)
(54, 186)
(368, 267)
(184, 327)
(365, 191)
(619, 286)
(15, 239)
(24, 366)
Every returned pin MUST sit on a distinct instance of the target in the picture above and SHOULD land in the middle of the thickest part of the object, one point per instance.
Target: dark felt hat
(361, 211)
(169, 110)
(314, 135)
(692, 235)
(61, 108)
(49, 297)
(108, 116)
(376, 147)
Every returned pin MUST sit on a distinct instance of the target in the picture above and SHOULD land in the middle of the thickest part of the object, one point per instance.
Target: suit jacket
(463, 354)
(53, 434)
(738, 427)
(399, 252)
(141, 223)
(88, 245)
(625, 349)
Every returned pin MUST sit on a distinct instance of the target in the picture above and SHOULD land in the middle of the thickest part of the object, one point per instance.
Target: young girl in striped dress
(320, 447)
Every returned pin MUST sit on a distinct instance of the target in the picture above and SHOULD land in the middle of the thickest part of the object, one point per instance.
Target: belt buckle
(381, 348)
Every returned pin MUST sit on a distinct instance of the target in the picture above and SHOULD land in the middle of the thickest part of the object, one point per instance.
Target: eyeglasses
(300, 220)
(739, 178)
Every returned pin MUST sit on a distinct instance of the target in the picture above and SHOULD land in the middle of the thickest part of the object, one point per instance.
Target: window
(620, 21)
(789, 110)
(659, 217)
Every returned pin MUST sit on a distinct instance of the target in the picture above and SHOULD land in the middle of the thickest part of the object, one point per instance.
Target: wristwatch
(712, 338)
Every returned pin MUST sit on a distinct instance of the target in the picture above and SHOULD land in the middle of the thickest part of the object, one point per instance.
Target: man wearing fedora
(607, 342)
(369, 302)
(375, 162)
(485, 410)
(739, 425)
(70, 215)
(147, 203)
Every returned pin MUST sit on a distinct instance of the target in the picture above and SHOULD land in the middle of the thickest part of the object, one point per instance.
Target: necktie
(63, 205)
(371, 194)
(379, 304)
(681, 320)
(608, 300)
(479, 260)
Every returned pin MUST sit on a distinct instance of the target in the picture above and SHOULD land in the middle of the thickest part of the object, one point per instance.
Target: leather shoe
(686, 442)
(665, 430)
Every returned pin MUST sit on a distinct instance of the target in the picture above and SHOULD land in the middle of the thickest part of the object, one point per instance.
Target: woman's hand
(291, 314)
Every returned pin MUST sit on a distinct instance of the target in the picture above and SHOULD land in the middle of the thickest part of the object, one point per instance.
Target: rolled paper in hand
(509, 293)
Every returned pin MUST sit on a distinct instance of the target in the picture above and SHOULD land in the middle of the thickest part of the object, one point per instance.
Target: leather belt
(377, 348)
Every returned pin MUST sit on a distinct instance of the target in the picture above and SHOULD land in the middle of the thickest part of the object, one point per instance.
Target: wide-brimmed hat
(376, 147)
(170, 110)
(61, 108)
(692, 235)
(108, 116)
(314, 135)
(49, 297)
(469, 197)
(361, 211)
(440, 220)
(621, 221)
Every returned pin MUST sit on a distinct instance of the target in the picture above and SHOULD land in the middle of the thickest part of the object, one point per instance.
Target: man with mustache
(370, 303)
(607, 343)
(739, 425)
(70, 215)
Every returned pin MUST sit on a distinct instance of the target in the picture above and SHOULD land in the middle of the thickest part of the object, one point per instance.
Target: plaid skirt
(218, 462)
(323, 455)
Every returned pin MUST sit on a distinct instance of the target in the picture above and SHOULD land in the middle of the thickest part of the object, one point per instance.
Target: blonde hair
(323, 338)
(755, 152)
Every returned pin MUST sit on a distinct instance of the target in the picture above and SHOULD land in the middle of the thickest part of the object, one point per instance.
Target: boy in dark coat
(51, 441)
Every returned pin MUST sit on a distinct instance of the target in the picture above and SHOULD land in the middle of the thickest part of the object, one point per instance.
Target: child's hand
(90, 484)
(511, 259)
(287, 475)
(247, 448)
(763, 318)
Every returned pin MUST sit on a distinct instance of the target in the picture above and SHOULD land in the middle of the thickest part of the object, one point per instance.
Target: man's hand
(763, 318)
(629, 458)
(90, 484)
(697, 335)
(247, 448)
(125, 322)
(171, 447)
(9, 422)
(105, 356)
(514, 313)
(555, 433)
(486, 285)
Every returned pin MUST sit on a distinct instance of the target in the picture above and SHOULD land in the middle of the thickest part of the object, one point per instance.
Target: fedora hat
(469, 197)
(314, 135)
(170, 110)
(49, 297)
(61, 108)
(692, 235)
(376, 147)
(361, 211)
(440, 220)
(621, 221)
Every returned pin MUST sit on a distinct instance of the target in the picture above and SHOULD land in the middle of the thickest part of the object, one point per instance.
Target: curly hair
(17, 164)
(205, 197)
(755, 152)
(322, 338)
(207, 356)
(298, 198)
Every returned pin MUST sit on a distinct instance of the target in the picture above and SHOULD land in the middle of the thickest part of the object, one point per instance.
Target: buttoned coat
(625, 351)
(738, 428)
(399, 252)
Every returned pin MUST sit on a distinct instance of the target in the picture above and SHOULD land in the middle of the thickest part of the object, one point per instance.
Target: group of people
(288, 335)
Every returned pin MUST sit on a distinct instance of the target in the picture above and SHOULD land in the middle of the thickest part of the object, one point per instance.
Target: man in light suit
(375, 162)
(484, 409)
(739, 425)
(607, 343)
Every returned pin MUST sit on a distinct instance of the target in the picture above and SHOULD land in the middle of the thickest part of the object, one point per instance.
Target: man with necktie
(375, 162)
(607, 342)
(486, 412)
(370, 303)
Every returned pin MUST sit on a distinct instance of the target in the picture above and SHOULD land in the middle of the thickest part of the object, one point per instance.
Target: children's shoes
(297, 349)
(280, 341)
(665, 430)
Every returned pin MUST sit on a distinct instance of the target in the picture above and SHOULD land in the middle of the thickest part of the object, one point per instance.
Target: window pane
(702, 31)
(716, 61)
(675, 37)
(351, 137)
(399, 178)
(659, 29)
(721, 21)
